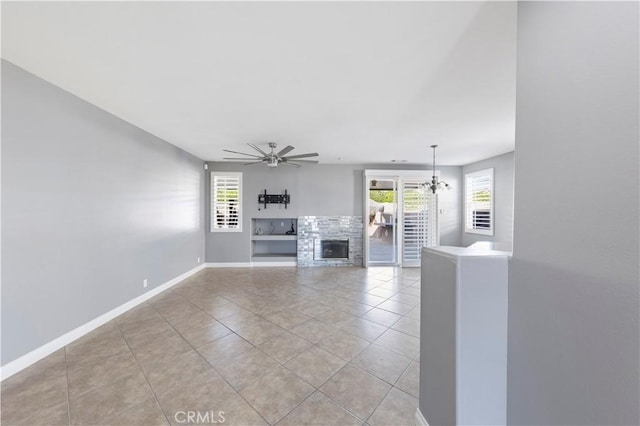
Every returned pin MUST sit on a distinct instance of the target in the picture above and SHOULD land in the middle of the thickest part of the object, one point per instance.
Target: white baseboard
(36, 355)
(249, 264)
(228, 265)
(268, 264)
(419, 418)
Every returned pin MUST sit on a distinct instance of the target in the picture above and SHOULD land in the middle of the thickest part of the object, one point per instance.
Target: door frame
(367, 174)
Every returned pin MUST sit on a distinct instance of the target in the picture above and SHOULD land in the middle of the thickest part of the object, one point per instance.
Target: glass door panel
(383, 213)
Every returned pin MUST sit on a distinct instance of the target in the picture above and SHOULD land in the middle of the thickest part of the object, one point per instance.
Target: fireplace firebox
(331, 249)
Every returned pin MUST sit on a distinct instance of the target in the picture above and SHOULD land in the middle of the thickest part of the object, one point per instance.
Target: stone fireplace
(330, 241)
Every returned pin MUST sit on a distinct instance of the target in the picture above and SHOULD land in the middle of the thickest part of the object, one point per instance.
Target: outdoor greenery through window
(226, 201)
(382, 196)
(479, 202)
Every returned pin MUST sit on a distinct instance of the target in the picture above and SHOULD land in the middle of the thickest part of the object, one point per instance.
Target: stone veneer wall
(329, 227)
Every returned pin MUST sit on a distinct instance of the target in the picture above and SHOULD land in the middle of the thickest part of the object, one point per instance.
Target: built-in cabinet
(274, 239)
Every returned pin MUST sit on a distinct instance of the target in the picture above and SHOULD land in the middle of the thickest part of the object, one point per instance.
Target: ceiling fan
(272, 159)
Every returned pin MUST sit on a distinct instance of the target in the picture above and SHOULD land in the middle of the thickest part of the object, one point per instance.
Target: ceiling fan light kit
(273, 158)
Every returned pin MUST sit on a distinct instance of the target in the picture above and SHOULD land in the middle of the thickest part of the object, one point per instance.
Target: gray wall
(91, 206)
(316, 190)
(450, 206)
(573, 296)
(503, 199)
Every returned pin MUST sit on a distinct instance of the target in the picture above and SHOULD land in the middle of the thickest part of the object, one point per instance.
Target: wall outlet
(144, 283)
(281, 223)
(198, 260)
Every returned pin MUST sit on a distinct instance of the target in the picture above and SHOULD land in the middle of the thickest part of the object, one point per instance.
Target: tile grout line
(66, 372)
(114, 379)
(286, 368)
(393, 385)
(212, 366)
(341, 404)
(245, 299)
(348, 363)
(379, 403)
(155, 396)
(315, 389)
(86, 364)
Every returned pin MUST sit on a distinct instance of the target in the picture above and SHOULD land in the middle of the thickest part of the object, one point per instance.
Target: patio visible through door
(401, 218)
(383, 206)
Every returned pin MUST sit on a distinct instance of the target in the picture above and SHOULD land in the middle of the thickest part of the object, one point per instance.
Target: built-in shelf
(274, 237)
(270, 243)
(269, 255)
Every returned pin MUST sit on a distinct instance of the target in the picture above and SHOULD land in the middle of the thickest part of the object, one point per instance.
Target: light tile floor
(286, 346)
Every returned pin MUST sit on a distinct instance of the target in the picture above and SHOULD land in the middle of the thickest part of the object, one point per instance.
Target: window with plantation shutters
(226, 201)
(479, 202)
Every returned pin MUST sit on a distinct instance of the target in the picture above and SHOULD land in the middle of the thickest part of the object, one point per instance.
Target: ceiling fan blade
(285, 150)
(236, 152)
(258, 149)
(312, 154)
(254, 162)
(302, 161)
(233, 158)
(291, 164)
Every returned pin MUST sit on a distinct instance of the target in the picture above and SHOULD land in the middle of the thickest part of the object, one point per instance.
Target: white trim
(228, 265)
(365, 220)
(400, 173)
(419, 418)
(263, 264)
(36, 355)
(248, 264)
(437, 217)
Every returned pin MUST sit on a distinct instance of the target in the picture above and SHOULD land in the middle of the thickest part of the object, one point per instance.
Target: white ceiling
(365, 81)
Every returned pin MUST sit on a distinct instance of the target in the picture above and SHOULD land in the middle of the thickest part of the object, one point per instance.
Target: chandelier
(436, 186)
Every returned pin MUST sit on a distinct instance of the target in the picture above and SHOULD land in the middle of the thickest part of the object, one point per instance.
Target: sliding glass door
(400, 217)
(382, 231)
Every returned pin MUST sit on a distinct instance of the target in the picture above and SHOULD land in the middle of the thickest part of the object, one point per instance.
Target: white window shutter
(479, 211)
(419, 221)
(226, 201)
